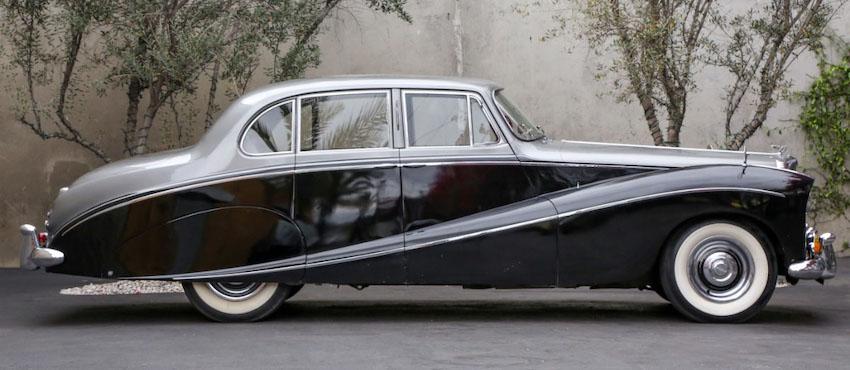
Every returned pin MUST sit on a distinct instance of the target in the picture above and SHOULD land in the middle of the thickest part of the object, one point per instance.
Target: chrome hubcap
(235, 291)
(720, 269)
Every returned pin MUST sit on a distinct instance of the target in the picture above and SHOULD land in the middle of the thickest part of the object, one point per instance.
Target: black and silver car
(429, 181)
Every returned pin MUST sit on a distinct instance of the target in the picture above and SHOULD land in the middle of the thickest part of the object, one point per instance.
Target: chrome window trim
(253, 121)
(469, 95)
(502, 113)
(490, 120)
(387, 93)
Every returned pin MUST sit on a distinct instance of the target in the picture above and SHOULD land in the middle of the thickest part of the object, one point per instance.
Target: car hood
(639, 155)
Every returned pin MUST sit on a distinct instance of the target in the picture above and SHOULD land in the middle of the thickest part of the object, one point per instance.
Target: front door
(348, 188)
(456, 166)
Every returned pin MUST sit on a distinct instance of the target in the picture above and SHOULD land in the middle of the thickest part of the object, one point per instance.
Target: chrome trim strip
(265, 268)
(293, 262)
(480, 233)
(781, 169)
(665, 194)
(664, 147)
(428, 164)
(271, 267)
(355, 257)
(589, 165)
(134, 198)
(271, 171)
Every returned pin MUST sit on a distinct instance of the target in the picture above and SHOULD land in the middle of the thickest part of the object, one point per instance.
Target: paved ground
(807, 326)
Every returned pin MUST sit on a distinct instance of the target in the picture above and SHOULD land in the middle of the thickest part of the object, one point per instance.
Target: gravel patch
(126, 287)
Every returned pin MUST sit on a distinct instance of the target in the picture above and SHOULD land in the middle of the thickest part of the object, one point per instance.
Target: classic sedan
(366, 180)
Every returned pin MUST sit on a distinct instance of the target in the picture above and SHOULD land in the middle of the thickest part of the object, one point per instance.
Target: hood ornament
(780, 149)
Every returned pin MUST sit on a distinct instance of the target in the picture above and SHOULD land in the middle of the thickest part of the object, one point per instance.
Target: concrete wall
(552, 81)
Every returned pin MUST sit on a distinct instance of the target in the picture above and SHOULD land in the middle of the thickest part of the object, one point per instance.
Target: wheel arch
(736, 217)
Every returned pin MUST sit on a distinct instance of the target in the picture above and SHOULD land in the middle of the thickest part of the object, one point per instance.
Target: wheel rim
(720, 269)
(235, 291)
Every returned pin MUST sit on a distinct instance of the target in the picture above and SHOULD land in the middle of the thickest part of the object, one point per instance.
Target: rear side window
(345, 121)
(271, 132)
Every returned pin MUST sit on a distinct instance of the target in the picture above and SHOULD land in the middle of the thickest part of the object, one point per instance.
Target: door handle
(385, 166)
(414, 165)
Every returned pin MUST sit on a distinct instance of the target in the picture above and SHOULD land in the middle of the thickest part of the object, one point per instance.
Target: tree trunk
(750, 128)
(651, 118)
(156, 99)
(134, 95)
(142, 137)
(208, 121)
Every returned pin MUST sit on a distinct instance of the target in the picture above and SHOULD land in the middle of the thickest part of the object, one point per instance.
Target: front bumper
(821, 265)
(33, 255)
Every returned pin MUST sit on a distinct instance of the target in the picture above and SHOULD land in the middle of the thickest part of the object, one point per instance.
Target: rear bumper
(33, 255)
(819, 266)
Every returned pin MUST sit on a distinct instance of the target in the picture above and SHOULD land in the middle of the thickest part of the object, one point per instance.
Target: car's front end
(820, 263)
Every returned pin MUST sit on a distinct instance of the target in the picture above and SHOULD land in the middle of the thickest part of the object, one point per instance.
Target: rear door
(348, 188)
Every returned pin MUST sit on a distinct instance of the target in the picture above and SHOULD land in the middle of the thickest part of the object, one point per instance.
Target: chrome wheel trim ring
(235, 291)
(720, 269)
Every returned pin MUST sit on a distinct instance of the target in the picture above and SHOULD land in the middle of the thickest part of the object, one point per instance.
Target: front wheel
(718, 271)
(237, 302)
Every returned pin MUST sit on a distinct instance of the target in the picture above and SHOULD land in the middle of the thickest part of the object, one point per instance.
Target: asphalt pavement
(330, 327)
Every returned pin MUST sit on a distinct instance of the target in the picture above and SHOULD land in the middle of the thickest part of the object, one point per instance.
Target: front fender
(611, 232)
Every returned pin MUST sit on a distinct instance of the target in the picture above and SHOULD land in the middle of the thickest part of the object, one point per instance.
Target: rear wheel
(237, 301)
(718, 271)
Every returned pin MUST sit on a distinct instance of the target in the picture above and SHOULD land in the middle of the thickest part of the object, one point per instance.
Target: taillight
(42, 238)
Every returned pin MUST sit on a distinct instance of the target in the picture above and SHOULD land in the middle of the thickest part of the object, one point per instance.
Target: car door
(348, 188)
(457, 172)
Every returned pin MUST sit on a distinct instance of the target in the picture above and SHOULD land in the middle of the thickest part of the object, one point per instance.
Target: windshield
(519, 125)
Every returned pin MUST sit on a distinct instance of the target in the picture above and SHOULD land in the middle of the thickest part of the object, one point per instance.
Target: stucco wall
(552, 81)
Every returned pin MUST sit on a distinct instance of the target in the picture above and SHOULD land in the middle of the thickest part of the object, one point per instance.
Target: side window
(482, 132)
(437, 119)
(346, 121)
(271, 132)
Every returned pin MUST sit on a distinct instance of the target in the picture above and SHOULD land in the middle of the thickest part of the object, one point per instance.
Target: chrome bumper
(33, 255)
(821, 265)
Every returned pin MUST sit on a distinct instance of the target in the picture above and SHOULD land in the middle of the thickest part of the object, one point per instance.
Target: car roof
(349, 82)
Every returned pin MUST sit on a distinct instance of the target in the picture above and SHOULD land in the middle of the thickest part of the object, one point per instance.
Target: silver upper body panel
(217, 156)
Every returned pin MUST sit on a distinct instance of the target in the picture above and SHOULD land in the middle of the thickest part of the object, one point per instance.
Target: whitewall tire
(237, 302)
(718, 271)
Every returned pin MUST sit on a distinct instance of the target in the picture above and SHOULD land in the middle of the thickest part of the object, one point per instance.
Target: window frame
(490, 120)
(503, 112)
(257, 118)
(469, 95)
(387, 93)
